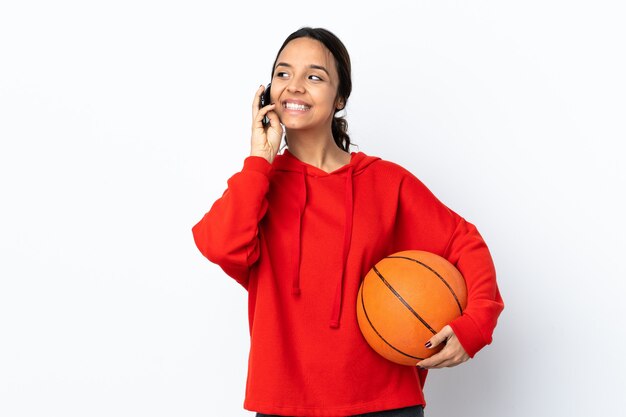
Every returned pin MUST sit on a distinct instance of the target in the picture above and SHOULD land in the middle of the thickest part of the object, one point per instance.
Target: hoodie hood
(359, 162)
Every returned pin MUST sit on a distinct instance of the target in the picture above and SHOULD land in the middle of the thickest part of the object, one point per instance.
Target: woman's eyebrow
(319, 67)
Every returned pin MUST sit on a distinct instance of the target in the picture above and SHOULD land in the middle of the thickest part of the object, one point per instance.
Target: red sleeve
(424, 223)
(227, 235)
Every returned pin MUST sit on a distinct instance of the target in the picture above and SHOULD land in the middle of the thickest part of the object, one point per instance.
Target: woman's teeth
(293, 106)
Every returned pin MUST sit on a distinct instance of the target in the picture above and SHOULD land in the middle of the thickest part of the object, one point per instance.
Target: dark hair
(342, 60)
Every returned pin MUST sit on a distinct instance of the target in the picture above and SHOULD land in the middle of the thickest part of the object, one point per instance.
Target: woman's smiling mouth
(289, 105)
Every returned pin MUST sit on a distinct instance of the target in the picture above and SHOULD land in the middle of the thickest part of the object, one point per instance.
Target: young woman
(299, 230)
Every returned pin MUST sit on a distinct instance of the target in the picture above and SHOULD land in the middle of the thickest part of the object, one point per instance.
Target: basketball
(405, 299)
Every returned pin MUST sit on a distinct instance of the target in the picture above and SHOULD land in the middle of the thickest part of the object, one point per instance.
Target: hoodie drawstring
(347, 236)
(295, 290)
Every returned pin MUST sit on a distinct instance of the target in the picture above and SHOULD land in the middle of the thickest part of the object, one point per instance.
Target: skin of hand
(452, 354)
(265, 139)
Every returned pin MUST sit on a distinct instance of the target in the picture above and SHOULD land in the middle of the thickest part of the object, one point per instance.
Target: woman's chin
(295, 125)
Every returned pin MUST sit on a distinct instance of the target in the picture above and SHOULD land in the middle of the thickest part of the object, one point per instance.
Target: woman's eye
(281, 74)
(316, 78)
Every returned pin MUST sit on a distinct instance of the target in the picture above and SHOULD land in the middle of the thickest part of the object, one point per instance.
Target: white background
(121, 121)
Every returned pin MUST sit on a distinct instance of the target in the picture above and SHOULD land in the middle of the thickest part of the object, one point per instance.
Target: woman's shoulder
(389, 167)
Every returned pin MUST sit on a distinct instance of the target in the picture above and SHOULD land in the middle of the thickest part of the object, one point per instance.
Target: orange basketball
(405, 299)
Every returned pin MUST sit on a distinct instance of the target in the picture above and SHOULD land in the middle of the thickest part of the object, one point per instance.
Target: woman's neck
(318, 150)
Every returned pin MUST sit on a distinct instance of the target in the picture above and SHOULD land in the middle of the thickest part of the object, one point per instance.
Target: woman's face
(304, 85)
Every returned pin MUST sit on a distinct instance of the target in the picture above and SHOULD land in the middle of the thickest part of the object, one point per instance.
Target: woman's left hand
(452, 353)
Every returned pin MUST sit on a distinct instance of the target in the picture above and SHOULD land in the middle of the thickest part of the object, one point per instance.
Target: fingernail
(428, 344)
(422, 368)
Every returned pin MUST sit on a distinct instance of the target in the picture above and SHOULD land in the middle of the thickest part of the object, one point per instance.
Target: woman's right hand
(265, 139)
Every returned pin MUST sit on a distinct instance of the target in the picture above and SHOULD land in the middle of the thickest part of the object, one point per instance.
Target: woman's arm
(424, 223)
(227, 235)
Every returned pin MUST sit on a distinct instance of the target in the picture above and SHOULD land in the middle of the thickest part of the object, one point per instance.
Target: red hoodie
(300, 240)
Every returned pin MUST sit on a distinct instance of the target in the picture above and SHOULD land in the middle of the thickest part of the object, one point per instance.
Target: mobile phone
(265, 100)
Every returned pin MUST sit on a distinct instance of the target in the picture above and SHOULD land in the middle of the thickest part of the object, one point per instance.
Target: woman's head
(311, 81)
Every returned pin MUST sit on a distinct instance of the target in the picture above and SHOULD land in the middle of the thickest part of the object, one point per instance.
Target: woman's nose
(295, 85)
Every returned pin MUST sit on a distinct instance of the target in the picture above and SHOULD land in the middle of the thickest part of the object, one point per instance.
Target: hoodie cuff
(469, 335)
(257, 163)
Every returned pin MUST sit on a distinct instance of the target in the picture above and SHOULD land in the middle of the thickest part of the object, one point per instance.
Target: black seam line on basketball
(379, 335)
(403, 301)
(458, 303)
